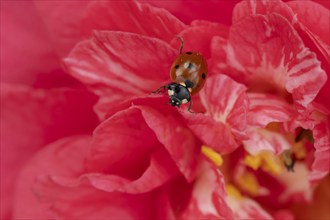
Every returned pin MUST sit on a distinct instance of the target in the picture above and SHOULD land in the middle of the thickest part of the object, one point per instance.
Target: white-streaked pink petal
(119, 64)
(264, 140)
(209, 196)
(266, 108)
(225, 101)
(268, 54)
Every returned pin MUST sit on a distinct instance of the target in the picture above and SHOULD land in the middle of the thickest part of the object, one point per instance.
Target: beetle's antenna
(181, 46)
(158, 90)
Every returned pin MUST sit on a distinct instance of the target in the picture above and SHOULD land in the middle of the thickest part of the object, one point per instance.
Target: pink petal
(80, 200)
(120, 148)
(320, 167)
(266, 108)
(281, 63)
(318, 123)
(215, 134)
(250, 209)
(307, 17)
(203, 32)
(303, 15)
(178, 140)
(265, 140)
(64, 157)
(63, 22)
(120, 65)
(253, 7)
(132, 16)
(160, 170)
(208, 199)
(32, 118)
(283, 215)
(226, 107)
(20, 56)
(225, 101)
(325, 3)
(188, 11)
(166, 126)
(114, 141)
(315, 18)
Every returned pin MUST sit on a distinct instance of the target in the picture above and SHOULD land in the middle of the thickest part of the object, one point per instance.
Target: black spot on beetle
(189, 84)
(203, 75)
(189, 53)
(176, 66)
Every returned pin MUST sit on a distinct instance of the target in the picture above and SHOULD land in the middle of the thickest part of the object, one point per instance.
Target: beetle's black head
(178, 93)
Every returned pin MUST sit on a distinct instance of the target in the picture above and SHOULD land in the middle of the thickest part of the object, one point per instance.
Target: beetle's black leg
(159, 89)
(181, 46)
(190, 105)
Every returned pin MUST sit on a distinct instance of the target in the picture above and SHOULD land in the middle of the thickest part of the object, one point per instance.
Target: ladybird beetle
(188, 74)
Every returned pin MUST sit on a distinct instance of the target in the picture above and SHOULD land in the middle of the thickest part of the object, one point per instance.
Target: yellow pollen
(248, 183)
(212, 155)
(265, 160)
(233, 191)
(252, 161)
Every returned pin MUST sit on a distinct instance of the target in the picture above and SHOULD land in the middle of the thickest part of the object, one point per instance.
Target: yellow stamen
(212, 155)
(265, 160)
(248, 183)
(252, 161)
(233, 191)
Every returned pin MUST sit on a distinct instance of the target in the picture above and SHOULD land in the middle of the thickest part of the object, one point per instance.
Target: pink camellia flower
(257, 146)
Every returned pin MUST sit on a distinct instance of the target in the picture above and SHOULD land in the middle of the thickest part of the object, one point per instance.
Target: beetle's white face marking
(184, 101)
(183, 84)
(170, 92)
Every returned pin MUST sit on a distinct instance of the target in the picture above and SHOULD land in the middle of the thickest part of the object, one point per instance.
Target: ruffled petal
(214, 134)
(152, 119)
(265, 140)
(209, 198)
(226, 105)
(225, 101)
(132, 16)
(161, 169)
(318, 123)
(115, 139)
(282, 63)
(266, 108)
(320, 167)
(119, 65)
(178, 140)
